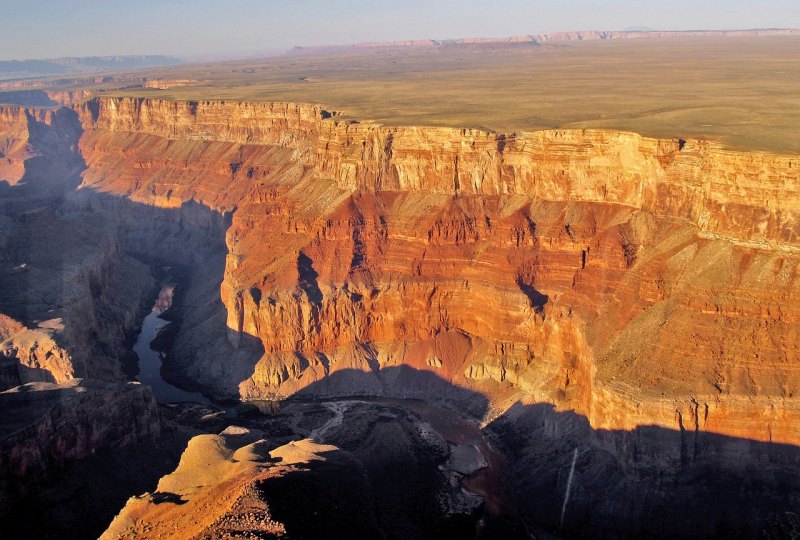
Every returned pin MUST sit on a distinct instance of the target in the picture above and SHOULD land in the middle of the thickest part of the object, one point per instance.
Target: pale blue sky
(48, 28)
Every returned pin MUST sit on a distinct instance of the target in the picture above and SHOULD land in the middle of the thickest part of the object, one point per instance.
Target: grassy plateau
(742, 91)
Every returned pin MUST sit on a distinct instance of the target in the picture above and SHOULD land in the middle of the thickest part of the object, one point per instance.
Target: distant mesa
(165, 84)
(633, 32)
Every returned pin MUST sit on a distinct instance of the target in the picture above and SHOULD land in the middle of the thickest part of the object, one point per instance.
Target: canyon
(615, 316)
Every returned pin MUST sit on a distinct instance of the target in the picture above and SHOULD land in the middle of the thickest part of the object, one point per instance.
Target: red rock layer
(638, 281)
(747, 196)
(14, 137)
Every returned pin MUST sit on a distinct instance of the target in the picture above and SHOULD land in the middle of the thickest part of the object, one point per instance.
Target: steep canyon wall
(71, 297)
(631, 298)
(634, 280)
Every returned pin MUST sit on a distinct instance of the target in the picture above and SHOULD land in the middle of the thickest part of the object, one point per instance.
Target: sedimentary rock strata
(634, 281)
(626, 277)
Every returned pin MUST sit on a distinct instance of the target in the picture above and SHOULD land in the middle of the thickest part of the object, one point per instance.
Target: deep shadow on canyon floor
(387, 481)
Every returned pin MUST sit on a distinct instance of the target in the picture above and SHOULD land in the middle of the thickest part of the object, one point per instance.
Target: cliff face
(750, 197)
(70, 299)
(47, 426)
(220, 121)
(637, 281)
(14, 149)
(746, 196)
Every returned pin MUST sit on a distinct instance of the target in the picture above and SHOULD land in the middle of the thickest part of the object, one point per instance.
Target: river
(150, 360)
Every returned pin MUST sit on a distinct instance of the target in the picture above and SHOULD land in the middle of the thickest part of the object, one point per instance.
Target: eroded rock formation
(47, 426)
(225, 483)
(632, 279)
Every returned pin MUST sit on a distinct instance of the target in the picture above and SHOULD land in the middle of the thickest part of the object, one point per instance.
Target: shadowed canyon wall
(71, 298)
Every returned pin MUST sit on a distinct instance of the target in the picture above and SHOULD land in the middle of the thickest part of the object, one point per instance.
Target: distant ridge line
(76, 65)
(555, 37)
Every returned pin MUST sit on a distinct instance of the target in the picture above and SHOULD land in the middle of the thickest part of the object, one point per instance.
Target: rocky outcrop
(634, 280)
(32, 355)
(226, 484)
(372, 468)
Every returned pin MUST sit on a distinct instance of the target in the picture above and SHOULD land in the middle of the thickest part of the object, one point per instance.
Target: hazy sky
(48, 28)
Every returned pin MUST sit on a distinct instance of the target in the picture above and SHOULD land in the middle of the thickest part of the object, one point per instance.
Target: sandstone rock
(223, 488)
(32, 355)
(621, 276)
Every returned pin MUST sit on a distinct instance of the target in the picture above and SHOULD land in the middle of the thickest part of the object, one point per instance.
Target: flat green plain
(742, 91)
